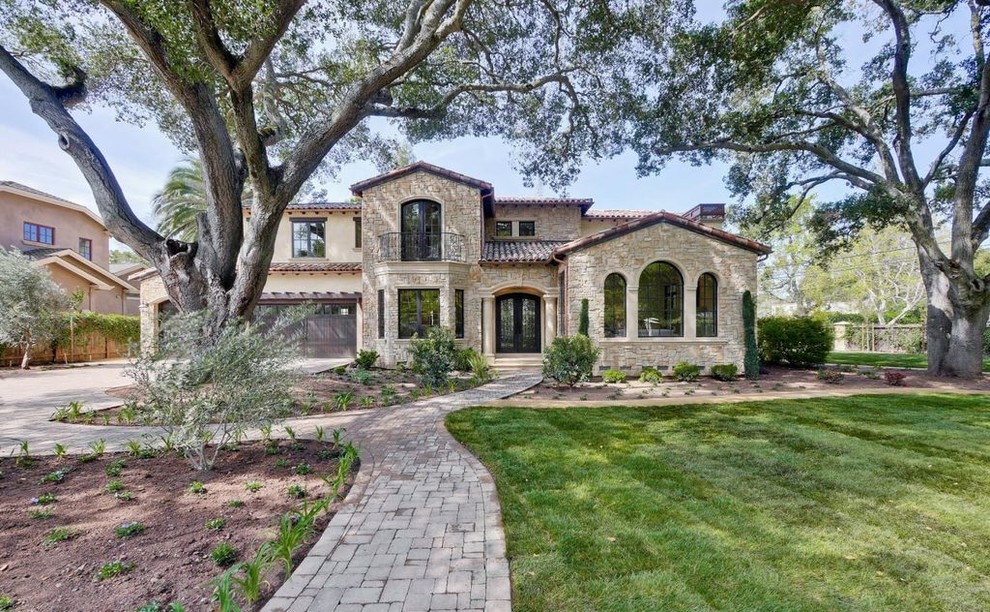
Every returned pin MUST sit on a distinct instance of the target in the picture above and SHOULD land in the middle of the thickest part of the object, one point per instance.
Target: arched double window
(421, 227)
(707, 306)
(661, 301)
(615, 306)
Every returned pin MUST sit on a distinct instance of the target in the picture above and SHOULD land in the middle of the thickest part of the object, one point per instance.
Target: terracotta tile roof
(584, 203)
(306, 296)
(315, 266)
(359, 187)
(662, 217)
(319, 206)
(519, 250)
(616, 214)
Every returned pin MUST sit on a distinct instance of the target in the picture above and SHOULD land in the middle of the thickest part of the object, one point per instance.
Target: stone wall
(693, 254)
(552, 222)
(152, 294)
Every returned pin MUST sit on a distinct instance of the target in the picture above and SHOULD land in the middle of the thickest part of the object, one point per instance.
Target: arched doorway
(421, 230)
(517, 323)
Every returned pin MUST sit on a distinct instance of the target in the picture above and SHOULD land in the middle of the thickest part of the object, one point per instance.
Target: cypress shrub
(751, 360)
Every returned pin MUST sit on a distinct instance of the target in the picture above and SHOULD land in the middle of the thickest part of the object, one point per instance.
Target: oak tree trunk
(956, 319)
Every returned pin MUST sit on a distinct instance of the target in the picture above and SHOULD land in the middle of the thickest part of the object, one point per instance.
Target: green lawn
(886, 360)
(864, 503)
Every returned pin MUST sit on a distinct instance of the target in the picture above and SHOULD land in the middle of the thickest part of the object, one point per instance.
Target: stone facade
(552, 222)
(692, 254)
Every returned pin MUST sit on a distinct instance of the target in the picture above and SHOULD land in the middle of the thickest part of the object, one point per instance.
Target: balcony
(413, 246)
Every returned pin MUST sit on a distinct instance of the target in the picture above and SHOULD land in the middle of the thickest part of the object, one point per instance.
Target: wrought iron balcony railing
(413, 246)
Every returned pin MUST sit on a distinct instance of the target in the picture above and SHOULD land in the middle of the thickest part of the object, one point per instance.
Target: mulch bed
(773, 380)
(171, 556)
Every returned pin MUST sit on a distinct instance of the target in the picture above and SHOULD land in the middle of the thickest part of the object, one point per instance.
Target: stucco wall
(693, 254)
(70, 226)
(313, 281)
(339, 236)
(112, 301)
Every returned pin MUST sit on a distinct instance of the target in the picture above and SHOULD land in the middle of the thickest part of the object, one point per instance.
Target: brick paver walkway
(420, 529)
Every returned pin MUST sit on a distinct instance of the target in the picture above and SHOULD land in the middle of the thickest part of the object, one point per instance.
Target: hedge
(794, 341)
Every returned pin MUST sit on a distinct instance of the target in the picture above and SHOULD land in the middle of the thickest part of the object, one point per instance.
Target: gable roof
(661, 217)
(34, 194)
(607, 215)
(80, 266)
(420, 166)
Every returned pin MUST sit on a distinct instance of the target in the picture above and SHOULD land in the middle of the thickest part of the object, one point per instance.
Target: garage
(329, 332)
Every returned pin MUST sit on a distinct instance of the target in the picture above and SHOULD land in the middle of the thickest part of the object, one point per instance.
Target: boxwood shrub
(570, 359)
(724, 371)
(798, 342)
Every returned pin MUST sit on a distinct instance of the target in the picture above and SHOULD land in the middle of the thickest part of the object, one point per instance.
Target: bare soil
(774, 380)
(171, 557)
(339, 390)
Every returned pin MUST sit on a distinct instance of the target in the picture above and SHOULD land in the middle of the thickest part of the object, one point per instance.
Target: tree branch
(260, 49)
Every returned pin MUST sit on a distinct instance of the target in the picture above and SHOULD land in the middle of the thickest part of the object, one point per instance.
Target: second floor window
(39, 233)
(309, 238)
(357, 232)
(503, 229)
(86, 248)
(527, 228)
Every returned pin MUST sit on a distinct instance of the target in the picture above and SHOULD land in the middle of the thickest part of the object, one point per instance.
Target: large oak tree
(891, 97)
(268, 92)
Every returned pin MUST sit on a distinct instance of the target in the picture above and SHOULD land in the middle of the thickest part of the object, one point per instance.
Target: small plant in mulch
(215, 524)
(297, 491)
(53, 477)
(235, 503)
(114, 468)
(197, 488)
(124, 495)
(830, 376)
(113, 569)
(303, 468)
(60, 450)
(224, 555)
(40, 513)
(6, 602)
(128, 530)
(60, 534)
(253, 486)
(895, 379)
(115, 486)
(44, 499)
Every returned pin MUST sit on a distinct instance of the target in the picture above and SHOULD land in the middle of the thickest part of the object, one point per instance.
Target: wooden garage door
(331, 331)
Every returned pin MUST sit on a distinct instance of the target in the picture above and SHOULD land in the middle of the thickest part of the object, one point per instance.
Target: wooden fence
(88, 347)
(899, 338)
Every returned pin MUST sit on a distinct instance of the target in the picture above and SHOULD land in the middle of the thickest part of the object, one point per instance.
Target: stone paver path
(421, 528)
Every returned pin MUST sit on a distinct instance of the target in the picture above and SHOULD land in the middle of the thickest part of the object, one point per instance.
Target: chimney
(712, 215)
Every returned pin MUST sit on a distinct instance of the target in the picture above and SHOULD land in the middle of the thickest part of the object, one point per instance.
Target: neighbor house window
(503, 229)
(86, 248)
(615, 306)
(459, 313)
(39, 233)
(419, 310)
(707, 310)
(381, 313)
(357, 232)
(660, 301)
(309, 238)
(527, 228)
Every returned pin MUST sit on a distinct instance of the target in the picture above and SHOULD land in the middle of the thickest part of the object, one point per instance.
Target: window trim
(714, 306)
(421, 329)
(621, 330)
(37, 233)
(89, 243)
(458, 313)
(674, 299)
(309, 221)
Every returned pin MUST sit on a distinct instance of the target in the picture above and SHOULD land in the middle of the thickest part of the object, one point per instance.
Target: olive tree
(268, 92)
(31, 304)
(889, 97)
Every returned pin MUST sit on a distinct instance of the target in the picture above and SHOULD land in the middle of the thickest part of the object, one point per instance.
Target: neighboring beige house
(69, 240)
(427, 246)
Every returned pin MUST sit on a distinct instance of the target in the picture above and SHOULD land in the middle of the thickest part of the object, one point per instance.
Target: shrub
(224, 554)
(686, 372)
(210, 395)
(794, 341)
(614, 376)
(570, 359)
(830, 376)
(366, 359)
(433, 356)
(751, 360)
(894, 379)
(583, 324)
(462, 359)
(651, 375)
(479, 367)
(725, 371)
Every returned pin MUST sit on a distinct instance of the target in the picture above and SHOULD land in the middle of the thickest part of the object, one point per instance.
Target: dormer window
(39, 233)
(309, 238)
(503, 229)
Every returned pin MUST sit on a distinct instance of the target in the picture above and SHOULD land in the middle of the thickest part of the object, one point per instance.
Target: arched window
(707, 312)
(661, 301)
(615, 306)
(421, 231)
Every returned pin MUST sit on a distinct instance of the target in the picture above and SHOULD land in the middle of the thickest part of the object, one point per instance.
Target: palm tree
(178, 204)
(181, 200)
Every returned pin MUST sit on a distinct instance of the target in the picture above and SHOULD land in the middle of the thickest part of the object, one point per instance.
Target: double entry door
(517, 323)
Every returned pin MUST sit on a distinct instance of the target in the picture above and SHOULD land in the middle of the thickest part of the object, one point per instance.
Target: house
(423, 246)
(69, 240)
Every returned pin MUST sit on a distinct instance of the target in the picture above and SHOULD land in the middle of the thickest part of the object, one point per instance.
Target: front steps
(516, 362)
